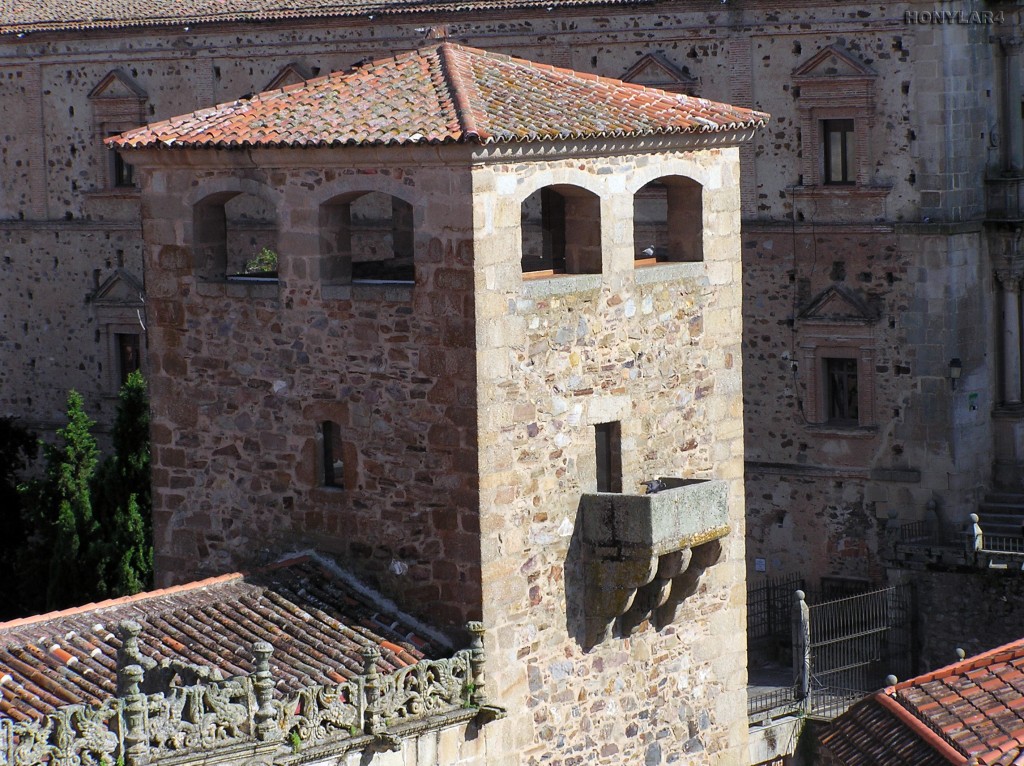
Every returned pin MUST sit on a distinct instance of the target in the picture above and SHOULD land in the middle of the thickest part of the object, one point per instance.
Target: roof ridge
(460, 98)
(965, 665)
(919, 727)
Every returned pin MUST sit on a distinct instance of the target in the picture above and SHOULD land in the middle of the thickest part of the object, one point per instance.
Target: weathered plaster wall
(656, 349)
(924, 441)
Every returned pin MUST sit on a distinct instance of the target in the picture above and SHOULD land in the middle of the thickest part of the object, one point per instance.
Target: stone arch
(668, 220)
(560, 228)
(368, 234)
(234, 221)
(582, 179)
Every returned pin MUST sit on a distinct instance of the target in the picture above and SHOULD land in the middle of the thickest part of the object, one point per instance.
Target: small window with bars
(841, 392)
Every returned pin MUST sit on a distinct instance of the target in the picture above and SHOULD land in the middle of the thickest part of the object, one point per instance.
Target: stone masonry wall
(244, 374)
(51, 169)
(656, 349)
(934, 131)
(44, 326)
(817, 493)
(974, 611)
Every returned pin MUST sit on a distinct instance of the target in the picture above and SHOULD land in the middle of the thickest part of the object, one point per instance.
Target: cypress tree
(123, 499)
(60, 513)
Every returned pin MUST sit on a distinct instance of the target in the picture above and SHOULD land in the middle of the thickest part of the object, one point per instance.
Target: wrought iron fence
(769, 610)
(774, 702)
(842, 648)
(970, 536)
(852, 644)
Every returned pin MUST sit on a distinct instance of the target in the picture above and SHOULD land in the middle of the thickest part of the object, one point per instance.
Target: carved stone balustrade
(643, 554)
(230, 722)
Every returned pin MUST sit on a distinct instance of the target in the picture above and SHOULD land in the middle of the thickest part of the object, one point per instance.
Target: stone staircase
(1002, 514)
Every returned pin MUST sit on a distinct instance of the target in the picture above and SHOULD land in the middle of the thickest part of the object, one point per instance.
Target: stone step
(1009, 498)
(1001, 509)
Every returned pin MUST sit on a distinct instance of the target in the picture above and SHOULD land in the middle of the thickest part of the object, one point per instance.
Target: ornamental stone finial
(478, 696)
(263, 688)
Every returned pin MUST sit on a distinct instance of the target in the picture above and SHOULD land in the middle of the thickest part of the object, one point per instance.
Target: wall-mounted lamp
(956, 367)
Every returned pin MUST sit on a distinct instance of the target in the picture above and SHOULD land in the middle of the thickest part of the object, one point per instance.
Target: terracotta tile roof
(54, 15)
(444, 93)
(970, 709)
(316, 618)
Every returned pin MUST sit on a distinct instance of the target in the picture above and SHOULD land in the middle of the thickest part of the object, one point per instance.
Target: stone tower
(442, 317)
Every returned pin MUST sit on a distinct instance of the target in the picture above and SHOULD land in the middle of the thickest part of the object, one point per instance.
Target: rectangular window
(841, 392)
(128, 354)
(609, 457)
(840, 153)
(333, 462)
(122, 174)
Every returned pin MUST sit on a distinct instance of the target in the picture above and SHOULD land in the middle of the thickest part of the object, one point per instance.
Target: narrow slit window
(607, 438)
(333, 460)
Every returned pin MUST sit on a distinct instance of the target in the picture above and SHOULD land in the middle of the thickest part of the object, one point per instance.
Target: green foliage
(123, 499)
(264, 262)
(295, 741)
(91, 536)
(58, 509)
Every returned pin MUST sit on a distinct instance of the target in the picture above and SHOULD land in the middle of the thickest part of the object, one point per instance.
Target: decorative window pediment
(121, 289)
(119, 304)
(292, 74)
(118, 104)
(118, 86)
(837, 360)
(838, 305)
(835, 100)
(832, 64)
(655, 71)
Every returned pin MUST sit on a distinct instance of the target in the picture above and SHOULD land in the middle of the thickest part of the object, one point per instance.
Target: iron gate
(847, 647)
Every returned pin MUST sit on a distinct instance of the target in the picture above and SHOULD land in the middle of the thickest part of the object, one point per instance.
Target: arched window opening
(236, 238)
(367, 237)
(668, 217)
(561, 230)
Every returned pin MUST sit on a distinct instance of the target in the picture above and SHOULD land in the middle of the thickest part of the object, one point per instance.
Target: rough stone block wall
(243, 375)
(974, 611)
(656, 349)
(43, 325)
(816, 494)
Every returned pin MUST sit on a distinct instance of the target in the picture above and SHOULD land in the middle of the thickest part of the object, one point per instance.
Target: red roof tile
(972, 708)
(47, 15)
(316, 618)
(444, 93)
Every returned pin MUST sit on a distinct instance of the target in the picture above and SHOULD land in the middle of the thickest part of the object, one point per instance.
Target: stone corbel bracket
(643, 554)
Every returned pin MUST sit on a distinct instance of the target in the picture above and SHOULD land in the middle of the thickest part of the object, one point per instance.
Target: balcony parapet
(644, 554)
(933, 545)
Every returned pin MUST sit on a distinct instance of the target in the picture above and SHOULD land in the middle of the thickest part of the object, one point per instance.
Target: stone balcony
(1004, 198)
(644, 554)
